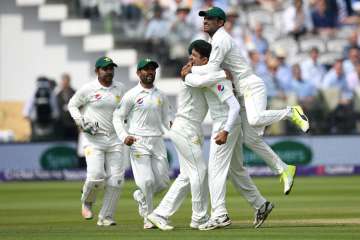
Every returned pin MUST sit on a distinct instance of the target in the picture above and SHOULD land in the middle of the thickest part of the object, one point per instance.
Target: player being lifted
(92, 108)
(146, 111)
(251, 92)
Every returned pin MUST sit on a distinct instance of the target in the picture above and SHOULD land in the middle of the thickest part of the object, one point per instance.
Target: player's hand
(186, 70)
(221, 137)
(89, 127)
(129, 140)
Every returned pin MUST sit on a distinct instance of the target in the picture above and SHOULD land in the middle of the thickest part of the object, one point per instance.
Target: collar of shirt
(99, 86)
(140, 89)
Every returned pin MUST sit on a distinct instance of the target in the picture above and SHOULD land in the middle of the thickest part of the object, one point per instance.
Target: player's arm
(119, 117)
(219, 50)
(205, 80)
(76, 102)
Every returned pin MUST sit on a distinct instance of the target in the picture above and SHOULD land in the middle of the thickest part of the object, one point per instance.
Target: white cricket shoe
(86, 211)
(140, 198)
(217, 222)
(160, 222)
(195, 224)
(107, 221)
(262, 213)
(148, 224)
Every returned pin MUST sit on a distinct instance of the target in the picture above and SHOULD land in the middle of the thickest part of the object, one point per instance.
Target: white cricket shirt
(96, 103)
(225, 54)
(146, 111)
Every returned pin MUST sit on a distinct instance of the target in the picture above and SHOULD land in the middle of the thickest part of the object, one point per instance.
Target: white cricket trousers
(256, 143)
(103, 156)
(223, 157)
(150, 167)
(193, 172)
(254, 91)
(105, 164)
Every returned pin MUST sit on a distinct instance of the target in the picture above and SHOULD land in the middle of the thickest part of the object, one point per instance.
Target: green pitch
(318, 208)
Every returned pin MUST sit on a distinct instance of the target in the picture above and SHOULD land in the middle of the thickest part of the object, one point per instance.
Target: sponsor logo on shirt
(117, 98)
(140, 101)
(220, 87)
(97, 96)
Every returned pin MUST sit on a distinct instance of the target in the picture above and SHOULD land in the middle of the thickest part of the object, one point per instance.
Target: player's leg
(244, 184)
(219, 162)
(192, 163)
(115, 179)
(144, 178)
(159, 165)
(255, 99)
(95, 175)
(255, 141)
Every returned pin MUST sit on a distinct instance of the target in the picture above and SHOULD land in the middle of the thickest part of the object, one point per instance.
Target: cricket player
(226, 151)
(251, 92)
(92, 108)
(186, 134)
(146, 111)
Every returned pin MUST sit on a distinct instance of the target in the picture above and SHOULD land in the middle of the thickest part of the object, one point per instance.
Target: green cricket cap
(146, 61)
(213, 12)
(104, 62)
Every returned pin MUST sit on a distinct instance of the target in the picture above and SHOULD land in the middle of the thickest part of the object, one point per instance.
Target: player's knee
(116, 180)
(96, 175)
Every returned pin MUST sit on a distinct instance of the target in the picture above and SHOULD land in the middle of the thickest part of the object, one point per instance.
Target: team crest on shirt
(158, 101)
(220, 87)
(140, 101)
(117, 98)
(97, 96)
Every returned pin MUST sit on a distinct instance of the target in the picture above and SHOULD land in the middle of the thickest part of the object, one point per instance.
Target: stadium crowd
(307, 51)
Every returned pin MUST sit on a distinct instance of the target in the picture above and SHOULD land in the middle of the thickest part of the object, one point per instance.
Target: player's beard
(148, 79)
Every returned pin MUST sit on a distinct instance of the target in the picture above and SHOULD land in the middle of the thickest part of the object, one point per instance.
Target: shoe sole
(267, 214)
(103, 225)
(288, 191)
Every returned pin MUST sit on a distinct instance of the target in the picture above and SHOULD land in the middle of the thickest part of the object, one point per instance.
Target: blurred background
(307, 52)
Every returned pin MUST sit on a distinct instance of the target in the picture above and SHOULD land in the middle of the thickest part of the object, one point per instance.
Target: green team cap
(104, 62)
(147, 61)
(213, 12)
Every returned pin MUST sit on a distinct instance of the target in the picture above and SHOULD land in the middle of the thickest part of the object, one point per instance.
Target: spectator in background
(342, 118)
(89, 8)
(232, 26)
(272, 83)
(257, 63)
(257, 38)
(180, 34)
(156, 32)
(353, 59)
(353, 79)
(324, 18)
(66, 125)
(353, 41)
(306, 94)
(284, 73)
(42, 111)
(297, 19)
(312, 70)
(130, 10)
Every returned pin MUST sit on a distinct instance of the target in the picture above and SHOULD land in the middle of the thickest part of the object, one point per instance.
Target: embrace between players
(138, 118)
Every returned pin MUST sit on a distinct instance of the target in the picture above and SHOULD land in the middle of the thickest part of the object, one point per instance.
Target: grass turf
(318, 208)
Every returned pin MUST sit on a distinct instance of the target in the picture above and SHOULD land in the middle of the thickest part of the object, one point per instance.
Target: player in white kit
(92, 108)
(251, 92)
(146, 111)
(186, 134)
(225, 151)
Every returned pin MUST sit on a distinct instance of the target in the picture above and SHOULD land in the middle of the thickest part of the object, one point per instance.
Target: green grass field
(318, 208)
